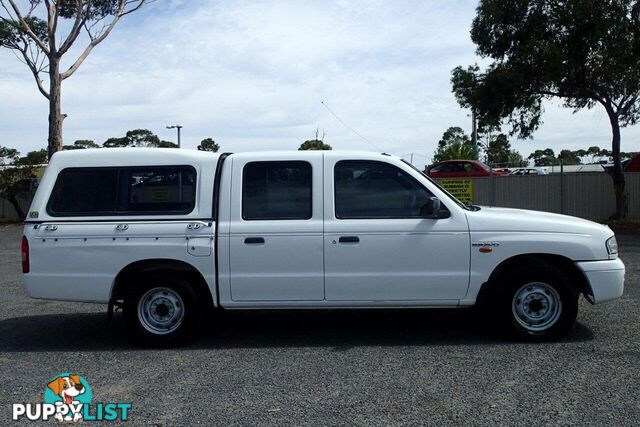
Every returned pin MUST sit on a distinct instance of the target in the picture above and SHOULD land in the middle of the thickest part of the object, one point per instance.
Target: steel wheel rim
(160, 310)
(536, 306)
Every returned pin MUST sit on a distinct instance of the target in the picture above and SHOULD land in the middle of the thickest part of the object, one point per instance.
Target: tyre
(538, 302)
(162, 310)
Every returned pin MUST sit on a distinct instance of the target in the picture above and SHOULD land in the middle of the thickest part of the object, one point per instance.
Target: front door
(276, 240)
(379, 247)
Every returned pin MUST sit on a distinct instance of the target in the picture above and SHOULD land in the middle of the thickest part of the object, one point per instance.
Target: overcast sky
(252, 76)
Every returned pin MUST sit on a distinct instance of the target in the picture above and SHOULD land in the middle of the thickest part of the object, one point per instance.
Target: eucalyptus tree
(584, 52)
(35, 33)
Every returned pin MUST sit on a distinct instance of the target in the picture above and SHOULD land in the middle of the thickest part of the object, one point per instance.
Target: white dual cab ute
(167, 234)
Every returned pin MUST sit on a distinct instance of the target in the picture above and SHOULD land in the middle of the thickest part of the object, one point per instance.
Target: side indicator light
(485, 249)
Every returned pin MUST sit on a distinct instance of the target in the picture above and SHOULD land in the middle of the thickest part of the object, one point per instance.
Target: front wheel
(539, 303)
(163, 311)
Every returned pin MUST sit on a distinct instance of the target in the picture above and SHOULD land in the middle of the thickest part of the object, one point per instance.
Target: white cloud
(252, 75)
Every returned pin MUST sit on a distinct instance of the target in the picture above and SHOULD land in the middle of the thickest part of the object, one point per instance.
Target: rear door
(276, 241)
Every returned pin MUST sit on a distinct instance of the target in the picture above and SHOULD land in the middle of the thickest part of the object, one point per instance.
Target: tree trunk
(16, 205)
(618, 175)
(55, 116)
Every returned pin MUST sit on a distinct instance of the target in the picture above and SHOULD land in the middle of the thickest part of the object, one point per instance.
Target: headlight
(612, 245)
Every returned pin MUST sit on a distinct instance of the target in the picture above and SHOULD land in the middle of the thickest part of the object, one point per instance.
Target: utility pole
(176, 127)
(474, 131)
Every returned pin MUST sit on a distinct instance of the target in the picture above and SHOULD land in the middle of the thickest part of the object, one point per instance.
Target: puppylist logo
(68, 398)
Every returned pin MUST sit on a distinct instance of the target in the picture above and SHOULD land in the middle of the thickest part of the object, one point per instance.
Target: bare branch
(17, 56)
(630, 102)
(80, 21)
(103, 35)
(28, 29)
(11, 18)
(35, 71)
(52, 10)
(139, 4)
(34, 4)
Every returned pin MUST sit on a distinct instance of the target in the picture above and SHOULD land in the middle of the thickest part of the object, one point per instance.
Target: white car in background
(528, 171)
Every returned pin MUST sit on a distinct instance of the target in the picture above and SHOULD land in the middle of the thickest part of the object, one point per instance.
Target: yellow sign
(160, 195)
(462, 189)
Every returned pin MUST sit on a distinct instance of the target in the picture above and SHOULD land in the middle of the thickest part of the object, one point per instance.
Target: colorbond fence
(8, 212)
(587, 195)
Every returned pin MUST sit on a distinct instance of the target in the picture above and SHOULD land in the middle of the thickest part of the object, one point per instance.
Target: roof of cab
(172, 156)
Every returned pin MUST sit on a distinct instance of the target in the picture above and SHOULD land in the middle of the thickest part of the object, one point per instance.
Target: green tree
(455, 145)
(499, 152)
(593, 152)
(314, 144)
(581, 51)
(35, 34)
(166, 144)
(317, 143)
(208, 144)
(33, 158)
(138, 138)
(81, 144)
(516, 160)
(17, 174)
(544, 157)
(607, 154)
(569, 157)
(116, 142)
(581, 154)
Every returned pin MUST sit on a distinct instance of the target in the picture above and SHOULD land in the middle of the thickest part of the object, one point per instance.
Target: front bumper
(606, 278)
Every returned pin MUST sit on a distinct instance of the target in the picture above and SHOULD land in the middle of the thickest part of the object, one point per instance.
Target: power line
(349, 127)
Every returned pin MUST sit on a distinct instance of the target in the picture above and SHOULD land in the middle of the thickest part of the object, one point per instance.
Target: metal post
(176, 127)
(474, 132)
(493, 187)
(562, 210)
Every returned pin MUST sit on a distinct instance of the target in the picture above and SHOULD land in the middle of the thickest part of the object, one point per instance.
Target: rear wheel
(162, 310)
(538, 302)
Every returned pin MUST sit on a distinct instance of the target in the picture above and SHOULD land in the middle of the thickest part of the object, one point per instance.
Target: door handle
(253, 240)
(349, 239)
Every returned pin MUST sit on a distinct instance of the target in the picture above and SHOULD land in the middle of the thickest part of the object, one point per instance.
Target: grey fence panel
(8, 212)
(632, 189)
(587, 195)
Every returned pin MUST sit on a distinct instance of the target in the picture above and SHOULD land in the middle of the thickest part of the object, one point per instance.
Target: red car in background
(461, 169)
(628, 165)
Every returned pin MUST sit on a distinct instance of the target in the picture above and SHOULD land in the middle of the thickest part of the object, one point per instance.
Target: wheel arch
(122, 283)
(491, 286)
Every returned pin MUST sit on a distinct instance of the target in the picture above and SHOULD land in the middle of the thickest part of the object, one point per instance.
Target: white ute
(168, 234)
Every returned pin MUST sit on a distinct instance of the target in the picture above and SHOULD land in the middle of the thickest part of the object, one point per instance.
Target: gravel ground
(363, 367)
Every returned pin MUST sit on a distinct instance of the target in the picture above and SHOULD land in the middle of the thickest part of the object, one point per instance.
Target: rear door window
(277, 190)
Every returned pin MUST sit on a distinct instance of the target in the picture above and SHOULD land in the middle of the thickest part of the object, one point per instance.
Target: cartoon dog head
(67, 387)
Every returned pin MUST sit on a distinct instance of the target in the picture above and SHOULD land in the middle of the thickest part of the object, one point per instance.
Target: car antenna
(349, 127)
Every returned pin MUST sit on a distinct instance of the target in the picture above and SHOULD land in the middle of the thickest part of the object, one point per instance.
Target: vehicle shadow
(337, 329)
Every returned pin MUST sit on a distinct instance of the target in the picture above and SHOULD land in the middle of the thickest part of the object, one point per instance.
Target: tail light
(25, 255)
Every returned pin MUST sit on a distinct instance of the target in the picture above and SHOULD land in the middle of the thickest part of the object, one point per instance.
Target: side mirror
(431, 209)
